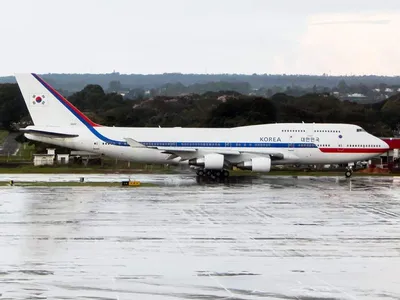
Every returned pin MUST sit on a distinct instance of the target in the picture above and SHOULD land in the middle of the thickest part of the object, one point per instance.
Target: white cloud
(350, 44)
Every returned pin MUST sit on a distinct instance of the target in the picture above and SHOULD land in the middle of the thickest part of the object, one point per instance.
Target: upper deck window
(360, 130)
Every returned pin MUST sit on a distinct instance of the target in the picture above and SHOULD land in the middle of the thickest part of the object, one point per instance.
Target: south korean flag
(38, 100)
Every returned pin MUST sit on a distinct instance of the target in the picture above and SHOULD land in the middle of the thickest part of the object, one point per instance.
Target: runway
(263, 238)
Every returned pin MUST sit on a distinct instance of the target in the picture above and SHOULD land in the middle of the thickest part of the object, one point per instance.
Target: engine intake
(211, 161)
(256, 164)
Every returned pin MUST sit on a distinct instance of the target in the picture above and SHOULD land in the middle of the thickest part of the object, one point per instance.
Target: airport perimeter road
(283, 238)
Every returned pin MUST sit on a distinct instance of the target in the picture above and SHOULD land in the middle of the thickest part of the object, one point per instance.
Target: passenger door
(310, 130)
(96, 145)
(340, 142)
(340, 146)
(291, 143)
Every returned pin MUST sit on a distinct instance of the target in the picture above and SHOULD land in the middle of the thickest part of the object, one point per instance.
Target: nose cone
(385, 145)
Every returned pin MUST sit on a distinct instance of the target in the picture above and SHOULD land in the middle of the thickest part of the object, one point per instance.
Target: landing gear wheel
(212, 175)
(200, 173)
(348, 173)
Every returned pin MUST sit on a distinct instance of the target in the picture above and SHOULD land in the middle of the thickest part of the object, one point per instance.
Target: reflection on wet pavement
(252, 238)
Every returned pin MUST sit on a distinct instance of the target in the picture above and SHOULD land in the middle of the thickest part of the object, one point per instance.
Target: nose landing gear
(348, 173)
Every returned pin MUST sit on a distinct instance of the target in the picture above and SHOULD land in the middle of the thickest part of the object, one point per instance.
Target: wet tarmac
(253, 238)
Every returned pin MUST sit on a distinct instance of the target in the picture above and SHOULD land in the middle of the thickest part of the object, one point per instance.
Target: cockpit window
(360, 130)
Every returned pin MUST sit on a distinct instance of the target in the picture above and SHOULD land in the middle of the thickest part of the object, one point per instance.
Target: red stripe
(69, 104)
(394, 143)
(353, 150)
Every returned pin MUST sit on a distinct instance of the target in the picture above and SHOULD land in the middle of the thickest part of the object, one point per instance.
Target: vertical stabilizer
(46, 106)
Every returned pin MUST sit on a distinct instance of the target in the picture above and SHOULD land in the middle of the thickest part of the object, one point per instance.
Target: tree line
(213, 109)
(76, 82)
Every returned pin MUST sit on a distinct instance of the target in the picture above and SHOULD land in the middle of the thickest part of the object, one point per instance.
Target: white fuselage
(298, 143)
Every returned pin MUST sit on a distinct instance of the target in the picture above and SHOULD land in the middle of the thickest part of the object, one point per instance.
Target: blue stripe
(175, 144)
(228, 145)
(218, 145)
(91, 128)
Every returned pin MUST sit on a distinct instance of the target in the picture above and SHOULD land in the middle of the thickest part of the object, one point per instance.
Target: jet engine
(256, 164)
(211, 161)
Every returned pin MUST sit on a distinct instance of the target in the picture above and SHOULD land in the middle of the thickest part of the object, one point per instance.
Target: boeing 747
(213, 151)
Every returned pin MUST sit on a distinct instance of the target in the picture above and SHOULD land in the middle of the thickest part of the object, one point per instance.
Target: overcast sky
(201, 36)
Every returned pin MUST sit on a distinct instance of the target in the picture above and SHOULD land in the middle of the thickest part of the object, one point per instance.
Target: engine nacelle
(257, 164)
(211, 161)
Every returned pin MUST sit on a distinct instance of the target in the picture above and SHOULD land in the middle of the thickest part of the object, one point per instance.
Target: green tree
(12, 105)
(382, 87)
(242, 111)
(114, 86)
(92, 97)
(343, 88)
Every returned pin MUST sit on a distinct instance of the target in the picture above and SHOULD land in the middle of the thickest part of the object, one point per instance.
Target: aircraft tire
(348, 174)
(225, 173)
(200, 173)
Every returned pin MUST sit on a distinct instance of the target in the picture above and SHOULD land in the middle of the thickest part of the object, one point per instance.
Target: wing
(189, 153)
(134, 144)
(173, 151)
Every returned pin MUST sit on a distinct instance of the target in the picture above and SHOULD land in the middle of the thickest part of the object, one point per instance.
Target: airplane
(211, 151)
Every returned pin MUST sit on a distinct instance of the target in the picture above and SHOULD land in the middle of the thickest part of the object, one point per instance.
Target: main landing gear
(212, 174)
(348, 173)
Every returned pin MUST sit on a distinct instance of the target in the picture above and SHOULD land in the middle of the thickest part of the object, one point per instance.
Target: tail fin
(46, 106)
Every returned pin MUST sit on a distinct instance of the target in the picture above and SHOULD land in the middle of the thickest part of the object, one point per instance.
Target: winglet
(134, 144)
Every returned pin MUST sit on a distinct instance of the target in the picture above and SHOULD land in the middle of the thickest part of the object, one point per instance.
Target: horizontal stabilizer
(49, 133)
